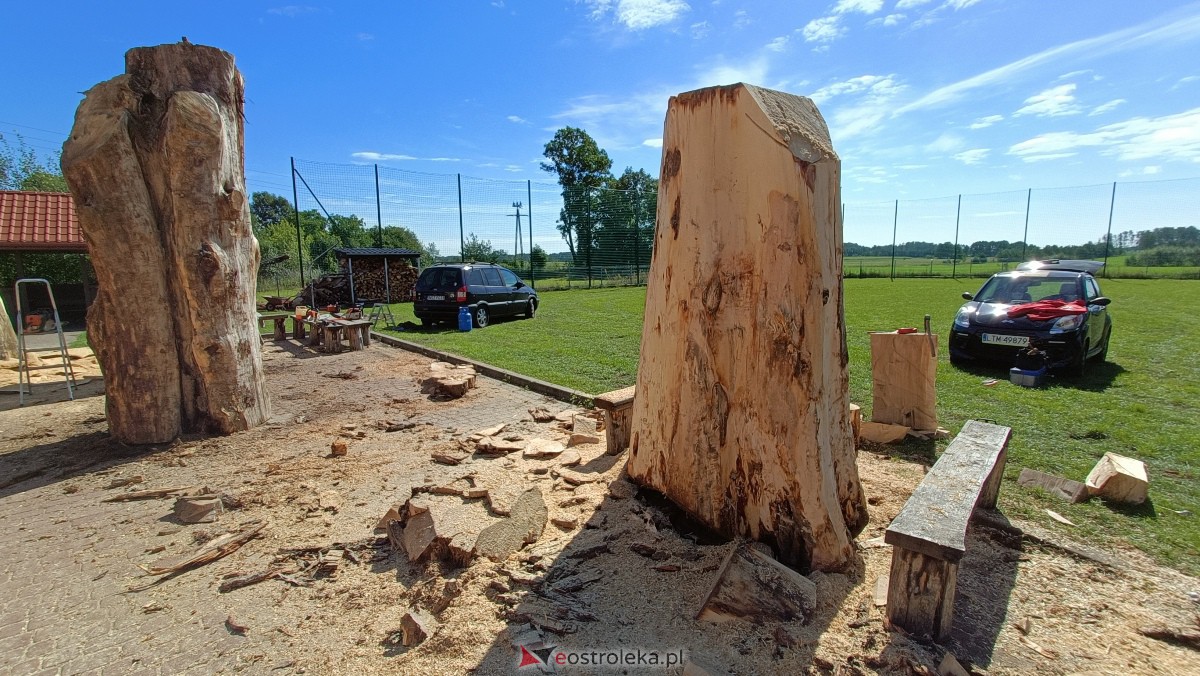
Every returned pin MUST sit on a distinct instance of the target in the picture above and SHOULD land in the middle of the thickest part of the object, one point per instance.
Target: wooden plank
(753, 586)
(617, 399)
(1071, 491)
(934, 520)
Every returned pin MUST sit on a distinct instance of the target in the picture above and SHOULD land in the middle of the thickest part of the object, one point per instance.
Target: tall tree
(582, 168)
(267, 209)
(20, 169)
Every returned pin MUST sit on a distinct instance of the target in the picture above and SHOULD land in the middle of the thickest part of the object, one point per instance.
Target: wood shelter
(379, 274)
(36, 223)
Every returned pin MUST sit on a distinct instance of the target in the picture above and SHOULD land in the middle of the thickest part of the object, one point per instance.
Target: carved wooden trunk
(742, 414)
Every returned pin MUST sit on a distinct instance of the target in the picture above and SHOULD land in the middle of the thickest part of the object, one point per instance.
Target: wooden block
(1118, 478)
(523, 526)
(617, 426)
(904, 379)
(856, 422)
(615, 400)
(1071, 491)
(753, 586)
(416, 626)
(920, 596)
(883, 433)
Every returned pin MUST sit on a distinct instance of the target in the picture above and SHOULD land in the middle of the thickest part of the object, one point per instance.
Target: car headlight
(963, 319)
(1068, 323)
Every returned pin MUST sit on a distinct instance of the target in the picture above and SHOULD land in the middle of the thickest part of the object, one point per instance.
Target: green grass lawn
(1145, 402)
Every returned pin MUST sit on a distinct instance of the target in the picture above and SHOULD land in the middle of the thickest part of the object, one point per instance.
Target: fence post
(299, 237)
(895, 220)
(378, 213)
(462, 242)
(957, 220)
(529, 215)
(1112, 204)
(1025, 237)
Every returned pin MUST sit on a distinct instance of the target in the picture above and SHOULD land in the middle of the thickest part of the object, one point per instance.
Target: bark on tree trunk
(155, 165)
(741, 415)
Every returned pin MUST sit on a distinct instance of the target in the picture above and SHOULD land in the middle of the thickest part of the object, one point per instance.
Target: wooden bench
(618, 417)
(279, 318)
(929, 535)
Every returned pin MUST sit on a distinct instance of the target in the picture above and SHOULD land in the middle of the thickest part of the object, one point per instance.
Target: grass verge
(1144, 402)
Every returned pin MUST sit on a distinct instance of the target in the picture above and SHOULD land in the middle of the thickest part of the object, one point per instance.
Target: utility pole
(519, 241)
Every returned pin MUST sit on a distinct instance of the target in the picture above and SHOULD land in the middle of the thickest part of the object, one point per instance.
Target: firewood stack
(369, 279)
(326, 290)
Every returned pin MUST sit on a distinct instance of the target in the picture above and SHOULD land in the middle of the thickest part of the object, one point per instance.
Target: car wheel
(530, 309)
(1078, 366)
(1102, 355)
(957, 361)
(480, 317)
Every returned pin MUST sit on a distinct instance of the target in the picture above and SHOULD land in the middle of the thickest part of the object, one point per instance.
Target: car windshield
(1027, 290)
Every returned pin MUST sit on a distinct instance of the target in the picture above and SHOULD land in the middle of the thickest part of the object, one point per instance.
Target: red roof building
(39, 221)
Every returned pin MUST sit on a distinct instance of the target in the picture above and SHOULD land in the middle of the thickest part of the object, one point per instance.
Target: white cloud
(825, 29)
(292, 10)
(1105, 107)
(639, 14)
(1144, 171)
(973, 156)
(700, 30)
(778, 44)
(512, 168)
(892, 19)
(741, 19)
(909, 4)
(1183, 81)
(863, 6)
(1170, 137)
(959, 4)
(1053, 102)
(946, 143)
(372, 156)
(872, 99)
(516, 119)
(652, 143)
(1171, 27)
(366, 37)
(986, 121)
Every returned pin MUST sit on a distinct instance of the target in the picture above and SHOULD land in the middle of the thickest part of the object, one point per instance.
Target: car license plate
(998, 339)
(431, 297)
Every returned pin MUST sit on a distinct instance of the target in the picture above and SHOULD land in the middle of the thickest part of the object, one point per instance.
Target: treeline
(1147, 248)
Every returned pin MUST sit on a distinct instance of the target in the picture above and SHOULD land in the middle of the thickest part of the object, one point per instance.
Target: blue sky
(924, 98)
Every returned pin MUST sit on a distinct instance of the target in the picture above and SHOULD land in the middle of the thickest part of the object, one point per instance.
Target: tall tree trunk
(155, 164)
(741, 415)
(8, 337)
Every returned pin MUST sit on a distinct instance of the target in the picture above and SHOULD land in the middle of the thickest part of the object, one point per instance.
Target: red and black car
(1054, 305)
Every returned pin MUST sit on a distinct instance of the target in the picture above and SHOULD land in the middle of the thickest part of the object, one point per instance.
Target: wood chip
(212, 551)
(149, 494)
(1059, 517)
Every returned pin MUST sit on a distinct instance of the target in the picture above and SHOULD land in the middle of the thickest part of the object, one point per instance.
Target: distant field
(1144, 402)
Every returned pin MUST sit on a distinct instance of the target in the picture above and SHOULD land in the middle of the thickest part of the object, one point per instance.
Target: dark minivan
(486, 289)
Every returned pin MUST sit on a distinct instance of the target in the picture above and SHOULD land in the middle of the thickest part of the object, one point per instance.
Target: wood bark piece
(199, 509)
(212, 551)
(523, 526)
(751, 585)
(742, 413)
(904, 379)
(1071, 491)
(1118, 478)
(920, 596)
(155, 167)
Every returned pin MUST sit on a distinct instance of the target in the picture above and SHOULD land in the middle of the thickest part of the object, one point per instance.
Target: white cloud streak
(372, 156)
(986, 121)
(823, 30)
(1105, 107)
(862, 6)
(1166, 138)
(1171, 27)
(973, 156)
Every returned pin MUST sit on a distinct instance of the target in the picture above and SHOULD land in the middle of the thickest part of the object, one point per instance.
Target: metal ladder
(381, 311)
(24, 367)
